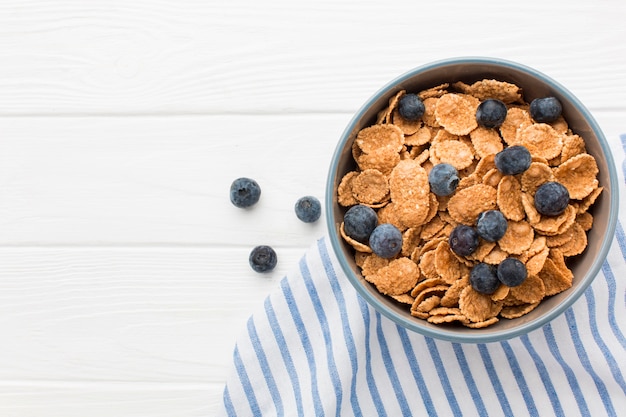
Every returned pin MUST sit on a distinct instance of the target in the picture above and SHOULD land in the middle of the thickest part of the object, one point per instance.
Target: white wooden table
(124, 277)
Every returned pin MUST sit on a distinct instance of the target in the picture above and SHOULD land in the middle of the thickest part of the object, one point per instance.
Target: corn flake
(421, 136)
(585, 220)
(572, 145)
(577, 243)
(453, 293)
(515, 120)
(513, 312)
(437, 290)
(344, 190)
(496, 256)
(427, 265)
(399, 277)
(408, 127)
(486, 141)
(517, 238)
(384, 116)
(555, 280)
(537, 174)
(453, 152)
(449, 318)
(484, 89)
(370, 186)
(403, 299)
(456, 114)
(447, 265)
(585, 203)
(429, 117)
(554, 225)
(482, 324)
(428, 304)
(535, 263)
(509, 198)
(478, 307)
(376, 137)
(383, 160)
(492, 178)
(436, 91)
(466, 204)
(532, 290)
(541, 140)
(578, 175)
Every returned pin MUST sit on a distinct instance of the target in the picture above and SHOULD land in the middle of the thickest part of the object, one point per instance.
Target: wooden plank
(276, 56)
(163, 181)
(51, 399)
(127, 315)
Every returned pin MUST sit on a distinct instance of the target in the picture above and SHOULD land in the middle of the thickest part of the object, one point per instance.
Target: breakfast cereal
(393, 160)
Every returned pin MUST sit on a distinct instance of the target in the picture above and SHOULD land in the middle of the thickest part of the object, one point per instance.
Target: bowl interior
(534, 84)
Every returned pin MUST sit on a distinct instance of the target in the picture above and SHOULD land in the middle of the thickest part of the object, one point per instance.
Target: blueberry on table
(551, 198)
(244, 192)
(545, 109)
(491, 225)
(443, 179)
(308, 209)
(263, 258)
(386, 240)
(511, 272)
(491, 113)
(463, 240)
(411, 107)
(484, 278)
(359, 222)
(513, 160)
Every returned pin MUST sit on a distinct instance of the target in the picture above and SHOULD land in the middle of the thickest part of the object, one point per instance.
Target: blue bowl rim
(450, 334)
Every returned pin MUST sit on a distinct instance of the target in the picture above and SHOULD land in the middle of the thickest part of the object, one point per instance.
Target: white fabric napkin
(318, 349)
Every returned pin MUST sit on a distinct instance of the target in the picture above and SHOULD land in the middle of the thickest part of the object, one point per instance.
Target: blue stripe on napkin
(316, 348)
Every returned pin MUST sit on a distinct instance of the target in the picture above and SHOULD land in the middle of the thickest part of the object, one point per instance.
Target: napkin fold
(316, 348)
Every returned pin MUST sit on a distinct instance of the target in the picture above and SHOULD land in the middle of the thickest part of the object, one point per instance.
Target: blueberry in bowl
(491, 113)
(443, 179)
(513, 160)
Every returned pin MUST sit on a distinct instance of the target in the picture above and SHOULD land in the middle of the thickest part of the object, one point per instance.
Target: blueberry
(443, 179)
(513, 160)
(491, 113)
(359, 222)
(463, 240)
(484, 278)
(551, 198)
(308, 209)
(386, 240)
(512, 272)
(491, 225)
(263, 258)
(545, 110)
(410, 107)
(244, 192)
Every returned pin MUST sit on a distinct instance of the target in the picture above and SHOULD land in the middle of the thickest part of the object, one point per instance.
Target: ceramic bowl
(534, 84)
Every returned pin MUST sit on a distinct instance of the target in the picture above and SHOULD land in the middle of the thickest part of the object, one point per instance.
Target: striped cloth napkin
(316, 348)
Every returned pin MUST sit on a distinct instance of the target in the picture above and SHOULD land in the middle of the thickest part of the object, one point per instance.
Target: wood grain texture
(160, 180)
(19, 399)
(277, 56)
(126, 314)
